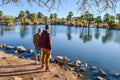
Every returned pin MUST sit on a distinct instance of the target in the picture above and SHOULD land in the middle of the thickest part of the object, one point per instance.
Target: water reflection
(107, 37)
(1, 30)
(97, 33)
(85, 35)
(53, 30)
(4, 29)
(69, 36)
(23, 31)
(34, 29)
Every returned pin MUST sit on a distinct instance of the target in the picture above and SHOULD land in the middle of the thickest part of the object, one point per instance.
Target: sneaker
(37, 63)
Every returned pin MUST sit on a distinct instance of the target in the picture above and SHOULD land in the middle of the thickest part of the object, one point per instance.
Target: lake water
(99, 47)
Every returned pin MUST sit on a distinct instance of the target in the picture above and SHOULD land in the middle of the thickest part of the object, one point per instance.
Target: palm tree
(34, 17)
(51, 17)
(70, 14)
(89, 17)
(83, 20)
(98, 20)
(46, 19)
(109, 19)
(106, 18)
(1, 14)
(55, 17)
(22, 16)
(118, 17)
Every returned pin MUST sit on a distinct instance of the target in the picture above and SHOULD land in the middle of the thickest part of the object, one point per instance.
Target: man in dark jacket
(46, 44)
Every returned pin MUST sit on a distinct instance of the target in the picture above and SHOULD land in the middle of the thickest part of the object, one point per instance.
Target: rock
(1, 45)
(83, 67)
(30, 51)
(16, 78)
(94, 68)
(52, 59)
(75, 73)
(74, 64)
(32, 78)
(4, 45)
(62, 60)
(57, 75)
(21, 57)
(80, 75)
(117, 74)
(103, 73)
(15, 51)
(99, 78)
(21, 48)
(66, 67)
(9, 47)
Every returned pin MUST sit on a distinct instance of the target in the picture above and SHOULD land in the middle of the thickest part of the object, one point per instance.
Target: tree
(118, 17)
(106, 18)
(109, 19)
(55, 17)
(83, 5)
(46, 19)
(22, 16)
(52, 18)
(69, 17)
(98, 20)
(88, 17)
(34, 17)
(1, 14)
(70, 14)
(83, 20)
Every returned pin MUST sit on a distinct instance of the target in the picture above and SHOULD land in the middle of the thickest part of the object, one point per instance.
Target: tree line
(86, 19)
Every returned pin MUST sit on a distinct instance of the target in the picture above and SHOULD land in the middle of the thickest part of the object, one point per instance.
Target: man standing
(46, 44)
(37, 44)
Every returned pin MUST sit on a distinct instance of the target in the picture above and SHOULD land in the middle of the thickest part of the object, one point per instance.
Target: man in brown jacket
(37, 44)
(46, 44)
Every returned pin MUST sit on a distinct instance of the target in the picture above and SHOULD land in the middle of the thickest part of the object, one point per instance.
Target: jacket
(46, 40)
(37, 41)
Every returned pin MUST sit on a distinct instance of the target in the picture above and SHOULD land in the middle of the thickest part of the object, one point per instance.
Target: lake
(97, 47)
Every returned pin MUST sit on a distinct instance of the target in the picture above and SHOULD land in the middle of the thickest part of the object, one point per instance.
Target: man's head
(47, 27)
(39, 30)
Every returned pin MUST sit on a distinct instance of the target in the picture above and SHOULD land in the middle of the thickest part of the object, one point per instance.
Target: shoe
(48, 70)
(37, 63)
(40, 63)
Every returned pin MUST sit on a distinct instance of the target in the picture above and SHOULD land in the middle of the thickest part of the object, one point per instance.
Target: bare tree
(83, 5)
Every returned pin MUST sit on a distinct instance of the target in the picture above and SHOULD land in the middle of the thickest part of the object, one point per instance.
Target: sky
(69, 5)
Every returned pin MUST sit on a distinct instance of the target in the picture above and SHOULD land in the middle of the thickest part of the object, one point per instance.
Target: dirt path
(14, 68)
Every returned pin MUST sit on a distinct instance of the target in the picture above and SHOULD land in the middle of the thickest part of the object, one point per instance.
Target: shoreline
(77, 69)
(12, 67)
